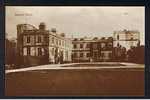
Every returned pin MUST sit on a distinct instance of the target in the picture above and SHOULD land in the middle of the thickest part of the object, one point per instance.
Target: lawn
(76, 82)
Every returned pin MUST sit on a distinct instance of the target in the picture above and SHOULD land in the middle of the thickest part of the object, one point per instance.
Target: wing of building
(41, 46)
(87, 49)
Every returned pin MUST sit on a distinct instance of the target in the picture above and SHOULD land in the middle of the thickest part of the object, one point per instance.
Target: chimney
(42, 26)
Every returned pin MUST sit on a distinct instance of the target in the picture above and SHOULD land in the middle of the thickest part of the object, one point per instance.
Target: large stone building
(60, 47)
(86, 49)
(126, 38)
(40, 46)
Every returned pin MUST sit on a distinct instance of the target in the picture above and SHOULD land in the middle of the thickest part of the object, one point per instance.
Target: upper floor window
(75, 39)
(45, 39)
(117, 37)
(81, 54)
(63, 43)
(59, 42)
(81, 45)
(118, 44)
(67, 54)
(88, 55)
(95, 46)
(102, 45)
(75, 46)
(39, 39)
(28, 39)
(131, 38)
(52, 39)
(110, 45)
(95, 54)
(87, 45)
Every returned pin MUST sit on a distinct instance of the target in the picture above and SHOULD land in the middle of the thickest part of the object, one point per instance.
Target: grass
(87, 82)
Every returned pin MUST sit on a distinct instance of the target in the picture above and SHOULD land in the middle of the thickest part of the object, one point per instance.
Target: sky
(79, 21)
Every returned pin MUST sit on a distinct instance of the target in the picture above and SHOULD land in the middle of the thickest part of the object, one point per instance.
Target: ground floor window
(88, 55)
(81, 54)
(53, 51)
(75, 55)
(28, 50)
(39, 51)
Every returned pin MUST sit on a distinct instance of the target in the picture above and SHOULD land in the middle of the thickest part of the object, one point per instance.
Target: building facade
(81, 51)
(60, 47)
(91, 50)
(41, 46)
(126, 38)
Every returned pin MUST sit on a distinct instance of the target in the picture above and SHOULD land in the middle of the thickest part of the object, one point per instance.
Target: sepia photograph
(74, 51)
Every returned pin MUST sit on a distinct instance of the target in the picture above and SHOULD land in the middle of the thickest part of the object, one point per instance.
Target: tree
(119, 53)
(10, 52)
(136, 54)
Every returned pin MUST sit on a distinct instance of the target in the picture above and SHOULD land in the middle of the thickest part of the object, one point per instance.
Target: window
(95, 54)
(102, 45)
(75, 39)
(52, 39)
(28, 39)
(131, 38)
(28, 50)
(59, 42)
(81, 39)
(117, 37)
(39, 51)
(67, 54)
(81, 54)
(24, 51)
(102, 54)
(110, 55)
(118, 44)
(95, 46)
(63, 43)
(56, 41)
(53, 51)
(88, 55)
(75, 55)
(75, 46)
(110, 45)
(81, 45)
(39, 39)
(45, 39)
(87, 45)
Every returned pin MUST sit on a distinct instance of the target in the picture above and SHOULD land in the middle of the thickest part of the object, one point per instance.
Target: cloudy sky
(78, 21)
